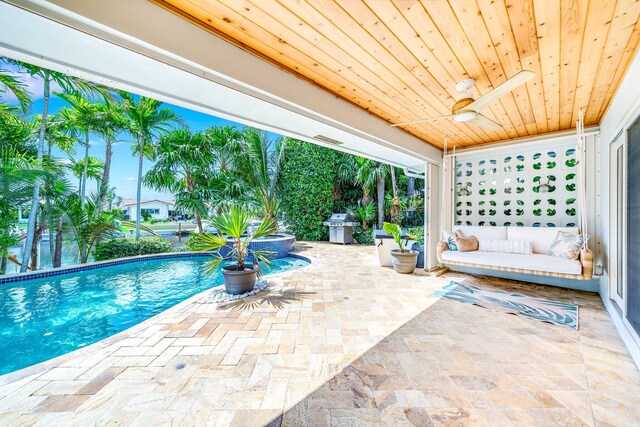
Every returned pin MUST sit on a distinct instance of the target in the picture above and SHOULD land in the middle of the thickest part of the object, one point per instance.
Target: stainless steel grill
(341, 228)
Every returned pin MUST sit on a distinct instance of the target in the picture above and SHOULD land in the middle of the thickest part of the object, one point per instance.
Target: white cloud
(34, 85)
(130, 178)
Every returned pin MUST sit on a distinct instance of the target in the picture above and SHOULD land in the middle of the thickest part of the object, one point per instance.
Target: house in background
(159, 209)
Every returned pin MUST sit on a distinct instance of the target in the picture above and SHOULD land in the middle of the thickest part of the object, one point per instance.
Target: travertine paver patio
(341, 342)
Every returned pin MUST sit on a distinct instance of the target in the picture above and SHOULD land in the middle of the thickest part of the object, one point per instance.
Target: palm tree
(18, 173)
(56, 191)
(225, 188)
(145, 122)
(368, 173)
(111, 123)
(81, 118)
(182, 160)
(78, 120)
(57, 135)
(89, 168)
(86, 225)
(228, 145)
(68, 84)
(17, 177)
(395, 204)
(110, 199)
(259, 167)
(53, 185)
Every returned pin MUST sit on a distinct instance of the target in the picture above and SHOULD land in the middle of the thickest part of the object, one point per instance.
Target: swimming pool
(47, 317)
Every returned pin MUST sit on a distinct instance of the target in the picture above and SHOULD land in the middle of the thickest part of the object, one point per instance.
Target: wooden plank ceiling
(400, 60)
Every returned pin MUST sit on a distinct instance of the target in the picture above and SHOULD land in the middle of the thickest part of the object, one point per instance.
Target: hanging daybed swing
(538, 263)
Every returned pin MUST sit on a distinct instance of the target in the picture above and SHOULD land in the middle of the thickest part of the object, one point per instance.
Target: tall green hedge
(306, 187)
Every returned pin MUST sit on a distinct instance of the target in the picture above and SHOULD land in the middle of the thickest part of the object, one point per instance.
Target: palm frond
(263, 256)
(205, 242)
(10, 82)
(212, 265)
(267, 226)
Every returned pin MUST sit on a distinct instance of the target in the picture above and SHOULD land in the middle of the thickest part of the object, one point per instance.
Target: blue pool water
(44, 318)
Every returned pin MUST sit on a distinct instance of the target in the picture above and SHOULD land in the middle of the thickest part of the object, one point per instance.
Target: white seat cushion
(485, 232)
(506, 246)
(540, 237)
(536, 262)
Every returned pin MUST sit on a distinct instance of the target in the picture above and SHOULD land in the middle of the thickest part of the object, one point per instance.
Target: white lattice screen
(532, 186)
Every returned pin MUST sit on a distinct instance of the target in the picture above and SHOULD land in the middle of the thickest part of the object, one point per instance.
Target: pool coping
(42, 367)
(20, 277)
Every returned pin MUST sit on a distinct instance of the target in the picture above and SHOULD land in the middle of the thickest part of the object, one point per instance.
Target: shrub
(146, 216)
(419, 233)
(189, 244)
(363, 237)
(306, 186)
(125, 247)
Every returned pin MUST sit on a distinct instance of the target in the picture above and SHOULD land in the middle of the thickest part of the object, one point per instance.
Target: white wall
(624, 108)
(163, 207)
(503, 179)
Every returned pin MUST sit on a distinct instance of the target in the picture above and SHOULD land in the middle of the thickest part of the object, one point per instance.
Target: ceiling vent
(327, 140)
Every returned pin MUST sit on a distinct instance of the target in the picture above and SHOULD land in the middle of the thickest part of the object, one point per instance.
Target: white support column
(427, 211)
(431, 214)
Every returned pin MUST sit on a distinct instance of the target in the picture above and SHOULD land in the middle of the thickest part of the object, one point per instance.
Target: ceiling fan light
(465, 116)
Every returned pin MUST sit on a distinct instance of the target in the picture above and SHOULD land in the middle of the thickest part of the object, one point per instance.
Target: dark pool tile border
(93, 265)
(101, 264)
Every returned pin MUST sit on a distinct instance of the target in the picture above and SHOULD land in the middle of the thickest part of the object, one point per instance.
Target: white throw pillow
(450, 239)
(566, 245)
(506, 246)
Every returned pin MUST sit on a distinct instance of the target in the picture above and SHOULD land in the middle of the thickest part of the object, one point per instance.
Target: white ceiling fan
(466, 109)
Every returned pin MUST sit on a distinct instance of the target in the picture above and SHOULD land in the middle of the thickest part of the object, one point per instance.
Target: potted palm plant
(242, 274)
(403, 260)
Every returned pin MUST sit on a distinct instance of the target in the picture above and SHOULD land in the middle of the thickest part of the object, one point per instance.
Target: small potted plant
(403, 260)
(241, 275)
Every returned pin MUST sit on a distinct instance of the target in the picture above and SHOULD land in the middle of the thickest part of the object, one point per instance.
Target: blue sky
(124, 167)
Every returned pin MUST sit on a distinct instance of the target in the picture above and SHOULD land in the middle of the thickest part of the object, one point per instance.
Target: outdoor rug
(545, 310)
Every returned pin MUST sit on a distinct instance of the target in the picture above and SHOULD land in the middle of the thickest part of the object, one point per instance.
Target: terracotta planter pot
(404, 262)
(239, 282)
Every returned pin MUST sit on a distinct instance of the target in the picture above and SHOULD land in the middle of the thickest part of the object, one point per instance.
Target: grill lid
(341, 217)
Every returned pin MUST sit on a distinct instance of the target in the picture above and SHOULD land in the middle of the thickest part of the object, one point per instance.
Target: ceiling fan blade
(500, 91)
(450, 116)
(486, 123)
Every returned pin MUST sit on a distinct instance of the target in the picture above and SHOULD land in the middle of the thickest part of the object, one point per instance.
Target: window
(150, 211)
(632, 243)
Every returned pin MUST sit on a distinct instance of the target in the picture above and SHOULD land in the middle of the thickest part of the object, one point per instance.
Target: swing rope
(445, 186)
(581, 157)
